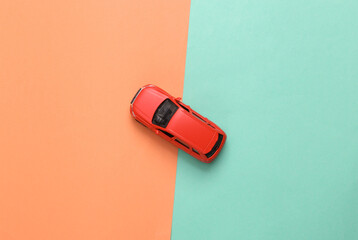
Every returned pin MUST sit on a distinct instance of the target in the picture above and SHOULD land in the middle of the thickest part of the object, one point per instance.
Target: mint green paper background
(281, 78)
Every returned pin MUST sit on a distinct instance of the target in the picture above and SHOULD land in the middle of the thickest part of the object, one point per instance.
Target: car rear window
(164, 113)
(216, 146)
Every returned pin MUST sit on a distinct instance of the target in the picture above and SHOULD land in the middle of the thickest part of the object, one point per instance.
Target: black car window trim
(166, 133)
(194, 150)
(197, 116)
(182, 105)
(180, 142)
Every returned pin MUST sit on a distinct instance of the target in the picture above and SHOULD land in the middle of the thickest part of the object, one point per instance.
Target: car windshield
(164, 113)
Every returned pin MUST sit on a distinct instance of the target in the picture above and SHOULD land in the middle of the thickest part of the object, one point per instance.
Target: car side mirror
(178, 99)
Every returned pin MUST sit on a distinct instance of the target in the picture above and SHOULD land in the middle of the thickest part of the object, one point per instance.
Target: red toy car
(177, 123)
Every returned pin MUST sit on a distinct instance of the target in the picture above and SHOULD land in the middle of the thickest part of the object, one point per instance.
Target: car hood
(192, 131)
(147, 102)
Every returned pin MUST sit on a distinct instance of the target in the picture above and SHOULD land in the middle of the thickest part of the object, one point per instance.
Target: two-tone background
(280, 77)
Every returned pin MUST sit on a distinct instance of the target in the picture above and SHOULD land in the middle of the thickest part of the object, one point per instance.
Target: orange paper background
(73, 163)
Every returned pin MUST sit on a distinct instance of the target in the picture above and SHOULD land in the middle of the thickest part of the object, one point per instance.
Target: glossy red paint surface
(147, 102)
(191, 130)
(187, 129)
